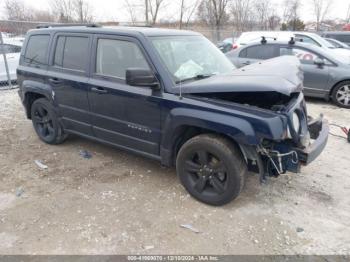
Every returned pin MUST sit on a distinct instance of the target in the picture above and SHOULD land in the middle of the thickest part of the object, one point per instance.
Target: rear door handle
(99, 90)
(55, 80)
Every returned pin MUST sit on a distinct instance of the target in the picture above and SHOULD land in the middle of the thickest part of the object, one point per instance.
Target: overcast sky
(114, 9)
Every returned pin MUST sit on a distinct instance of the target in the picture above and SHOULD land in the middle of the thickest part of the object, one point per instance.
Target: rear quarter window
(36, 50)
(259, 52)
(71, 52)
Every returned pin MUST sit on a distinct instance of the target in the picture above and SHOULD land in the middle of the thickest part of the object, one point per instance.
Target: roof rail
(291, 41)
(148, 25)
(64, 25)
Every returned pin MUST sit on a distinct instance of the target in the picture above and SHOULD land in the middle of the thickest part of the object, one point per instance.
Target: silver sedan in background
(326, 74)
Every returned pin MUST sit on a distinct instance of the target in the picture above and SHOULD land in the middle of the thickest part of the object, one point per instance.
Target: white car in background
(255, 36)
(305, 37)
(12, 50)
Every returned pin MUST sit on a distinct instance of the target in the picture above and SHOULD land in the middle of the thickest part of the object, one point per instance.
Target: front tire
(211, 169)
(341, 94)
(45, 122)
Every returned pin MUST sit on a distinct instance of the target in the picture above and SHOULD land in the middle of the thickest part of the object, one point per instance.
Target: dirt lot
(116, 202)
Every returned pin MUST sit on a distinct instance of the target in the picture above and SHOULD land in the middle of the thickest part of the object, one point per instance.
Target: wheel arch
(335, 85)
(182, 133)
(29, 98)
(31, 91)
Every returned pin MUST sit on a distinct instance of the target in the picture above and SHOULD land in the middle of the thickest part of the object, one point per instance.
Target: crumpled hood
(281, 74)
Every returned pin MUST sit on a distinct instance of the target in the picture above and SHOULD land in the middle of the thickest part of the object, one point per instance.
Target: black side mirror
(141, 77)
(319, 62)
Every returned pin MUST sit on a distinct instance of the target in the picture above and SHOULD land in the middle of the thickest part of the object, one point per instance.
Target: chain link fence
(9, 57)
(11, 40)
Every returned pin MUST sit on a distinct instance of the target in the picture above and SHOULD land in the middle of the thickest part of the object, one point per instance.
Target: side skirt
(137, 152)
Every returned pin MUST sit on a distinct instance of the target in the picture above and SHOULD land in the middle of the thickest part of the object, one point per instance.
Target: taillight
(234, 46)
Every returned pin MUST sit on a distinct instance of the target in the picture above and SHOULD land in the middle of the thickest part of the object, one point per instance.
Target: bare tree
(291, 13)
(263, 10)
(16, 10)
(347, 19)
(153, 7)
(187, 9)
(82, 11)
(242, 14)
(274, 21)
(131, 8)
(43, 15)
(320, 10)
(63, 10)
(146, 12)
(72, 11)
(214, 13)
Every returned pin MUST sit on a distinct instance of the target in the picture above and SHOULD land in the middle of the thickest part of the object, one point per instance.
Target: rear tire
(211, 169)
(45, 122)
(341, 94)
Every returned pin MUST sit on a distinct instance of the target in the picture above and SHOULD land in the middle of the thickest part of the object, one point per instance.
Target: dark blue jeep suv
(172, 96)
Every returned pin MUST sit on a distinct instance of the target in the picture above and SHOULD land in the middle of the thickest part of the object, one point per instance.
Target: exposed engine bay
(267, 100)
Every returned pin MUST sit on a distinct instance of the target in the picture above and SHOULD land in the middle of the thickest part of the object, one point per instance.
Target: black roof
(147, 31)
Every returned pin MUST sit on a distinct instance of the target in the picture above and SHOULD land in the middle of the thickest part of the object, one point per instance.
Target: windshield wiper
(196, 77)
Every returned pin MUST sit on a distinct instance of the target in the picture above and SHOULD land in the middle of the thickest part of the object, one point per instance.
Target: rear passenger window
(36, 50)
(115, 56)
(71, 52)
(260, 52)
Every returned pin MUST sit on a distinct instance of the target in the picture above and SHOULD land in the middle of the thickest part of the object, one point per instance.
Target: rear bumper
(318, 129)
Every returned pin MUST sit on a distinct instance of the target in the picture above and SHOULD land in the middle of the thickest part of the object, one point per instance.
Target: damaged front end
(263, 92)
(304, 141)
(303, 138)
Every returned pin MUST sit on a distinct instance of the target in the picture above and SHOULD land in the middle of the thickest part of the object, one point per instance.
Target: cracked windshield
(183, 56)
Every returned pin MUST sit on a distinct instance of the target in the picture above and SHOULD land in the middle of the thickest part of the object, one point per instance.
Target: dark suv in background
(171, 96)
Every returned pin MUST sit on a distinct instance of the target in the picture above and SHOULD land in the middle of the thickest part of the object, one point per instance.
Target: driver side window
(114, 57)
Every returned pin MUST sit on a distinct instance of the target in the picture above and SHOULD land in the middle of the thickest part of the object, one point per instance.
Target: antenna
(180, 95)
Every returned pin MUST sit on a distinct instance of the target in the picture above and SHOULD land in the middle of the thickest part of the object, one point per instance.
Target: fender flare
(240, 130)
(41, 89)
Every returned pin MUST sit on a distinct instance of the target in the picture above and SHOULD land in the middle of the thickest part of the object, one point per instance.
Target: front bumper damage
(284, 156)
(318, 129)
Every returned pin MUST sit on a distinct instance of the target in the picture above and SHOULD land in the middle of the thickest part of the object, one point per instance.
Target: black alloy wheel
(211, 168)
(46, 123)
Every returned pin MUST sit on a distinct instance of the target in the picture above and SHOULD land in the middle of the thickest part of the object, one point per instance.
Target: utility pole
(146, 11)
(348, 15)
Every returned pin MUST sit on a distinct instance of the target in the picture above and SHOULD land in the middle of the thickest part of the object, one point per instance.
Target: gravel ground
(119, 203)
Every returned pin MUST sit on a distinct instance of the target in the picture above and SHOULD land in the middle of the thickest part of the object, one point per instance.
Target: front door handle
(55, 80)
(99, 90)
